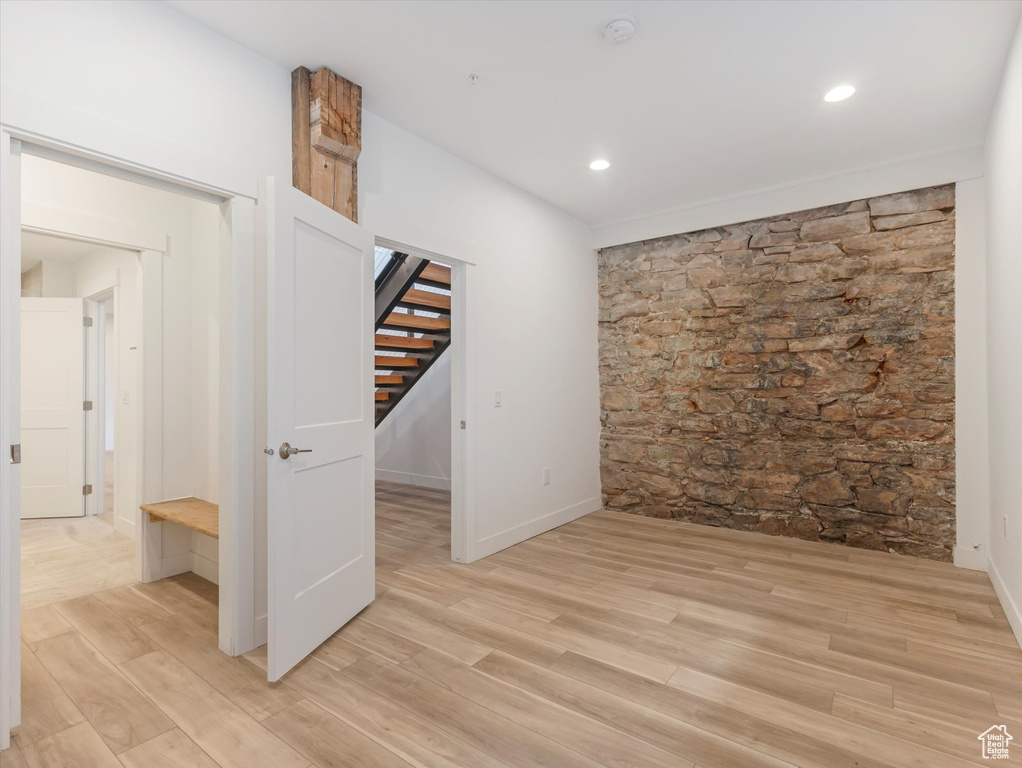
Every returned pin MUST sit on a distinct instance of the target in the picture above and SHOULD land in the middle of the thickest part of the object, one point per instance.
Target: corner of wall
(1012, 610)
(972, 445)
(1003, 317)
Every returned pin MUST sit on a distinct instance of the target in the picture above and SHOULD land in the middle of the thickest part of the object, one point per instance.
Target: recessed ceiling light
(599, 165)
(840, 93)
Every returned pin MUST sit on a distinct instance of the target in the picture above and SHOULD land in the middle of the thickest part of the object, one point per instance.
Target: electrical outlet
(126, 396)
(546, 475)
(497, 398)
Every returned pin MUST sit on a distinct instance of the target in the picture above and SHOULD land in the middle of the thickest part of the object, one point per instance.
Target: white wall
(530, 322)
(204, 296)
(972, 480)
(190, 233)
(1004, 319)
(58, 280)
(413, 444)
(136, 80)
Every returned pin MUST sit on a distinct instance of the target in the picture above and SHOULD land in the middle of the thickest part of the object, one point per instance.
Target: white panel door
(321, 501)
(52, 419)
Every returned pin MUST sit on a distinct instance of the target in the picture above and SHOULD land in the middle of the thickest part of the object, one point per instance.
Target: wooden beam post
(326, 138)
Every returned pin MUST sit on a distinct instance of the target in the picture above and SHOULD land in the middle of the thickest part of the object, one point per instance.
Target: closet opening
(120, 396)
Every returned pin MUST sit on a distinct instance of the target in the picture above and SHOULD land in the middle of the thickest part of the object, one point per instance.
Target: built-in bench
(190, 541)
(199, 515)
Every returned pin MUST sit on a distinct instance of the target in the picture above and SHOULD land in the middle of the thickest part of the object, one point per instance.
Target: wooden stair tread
(382, 396)
(199, 515)
(382, 381)
(436, 273)
(387, 341)
(418, 322)
(396, 362)
(426, 299)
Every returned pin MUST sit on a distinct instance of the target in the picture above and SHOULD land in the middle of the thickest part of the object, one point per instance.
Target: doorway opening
(120, 396)
(416, 323)
(70, 373)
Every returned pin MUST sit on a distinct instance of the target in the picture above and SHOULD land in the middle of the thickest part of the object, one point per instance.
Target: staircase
(413, 323)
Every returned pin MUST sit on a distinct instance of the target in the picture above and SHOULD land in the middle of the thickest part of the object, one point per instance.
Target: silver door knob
(286, 451)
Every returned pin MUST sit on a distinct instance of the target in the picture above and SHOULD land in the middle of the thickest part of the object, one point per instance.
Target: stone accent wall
(792, 375)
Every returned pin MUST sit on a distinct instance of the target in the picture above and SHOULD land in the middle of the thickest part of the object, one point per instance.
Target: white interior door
(321, 501)
(52, 419)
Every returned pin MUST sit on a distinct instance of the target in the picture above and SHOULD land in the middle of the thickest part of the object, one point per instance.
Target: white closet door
(52, 419)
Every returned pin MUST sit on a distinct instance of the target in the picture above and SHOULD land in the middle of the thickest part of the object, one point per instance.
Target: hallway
(612, 641)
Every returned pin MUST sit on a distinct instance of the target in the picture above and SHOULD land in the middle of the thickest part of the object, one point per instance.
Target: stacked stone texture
(792, 375)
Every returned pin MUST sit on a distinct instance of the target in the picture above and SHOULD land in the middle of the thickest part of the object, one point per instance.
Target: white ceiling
(37, 247)
(709, 100)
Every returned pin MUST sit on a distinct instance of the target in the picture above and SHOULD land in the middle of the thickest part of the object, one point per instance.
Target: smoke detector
(620, 30)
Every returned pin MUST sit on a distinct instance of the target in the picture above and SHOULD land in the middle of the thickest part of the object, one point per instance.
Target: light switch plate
(498, 398)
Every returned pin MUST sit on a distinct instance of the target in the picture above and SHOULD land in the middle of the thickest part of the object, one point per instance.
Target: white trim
(409, 478)
(206, 568)
(463, 452)
(110, 144)
(78, 161)
(527, 530)
(10, 426)
(149, 416)
(971, 559)
(77, 225)
(1011, 610)
(172, 565)
(865, 181)
(237, 482)
(95, 390)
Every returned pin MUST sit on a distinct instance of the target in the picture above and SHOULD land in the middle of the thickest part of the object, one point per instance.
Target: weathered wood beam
(326, 138)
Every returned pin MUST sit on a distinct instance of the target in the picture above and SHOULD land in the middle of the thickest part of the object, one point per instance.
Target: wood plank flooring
(611, 642)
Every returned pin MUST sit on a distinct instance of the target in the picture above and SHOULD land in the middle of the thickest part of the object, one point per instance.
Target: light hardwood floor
(614, 641)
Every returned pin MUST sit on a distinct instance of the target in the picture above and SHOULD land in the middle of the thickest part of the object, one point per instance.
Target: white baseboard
(1011, 608)
(519, 533)
(175, 564)
(408, 478)
(972, 559)
(205, 568)
(126, 527)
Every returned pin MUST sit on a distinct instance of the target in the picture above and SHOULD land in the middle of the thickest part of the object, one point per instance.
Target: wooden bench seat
(199, 515)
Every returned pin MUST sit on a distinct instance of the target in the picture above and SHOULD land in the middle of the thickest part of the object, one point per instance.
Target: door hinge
(86, 405)
(87, 489)
(16, 453)
(87, 322)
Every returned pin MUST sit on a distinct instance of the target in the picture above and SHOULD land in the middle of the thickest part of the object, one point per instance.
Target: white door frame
(462, 438)
(10, 430)
(237, 632)
(98, 355)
